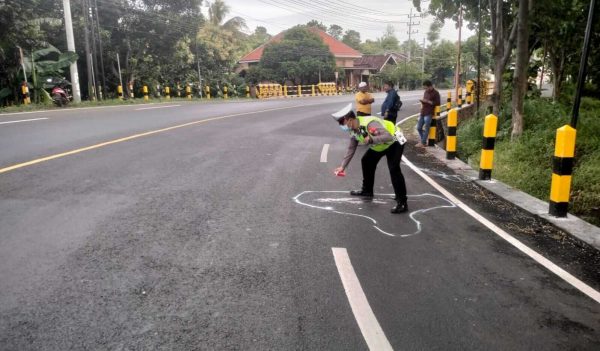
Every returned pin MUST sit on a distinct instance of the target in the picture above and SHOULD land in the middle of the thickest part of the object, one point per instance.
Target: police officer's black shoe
(400, 207)
(361, 193)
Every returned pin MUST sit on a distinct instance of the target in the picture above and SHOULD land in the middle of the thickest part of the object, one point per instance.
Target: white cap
(362, 84)
(343, 112)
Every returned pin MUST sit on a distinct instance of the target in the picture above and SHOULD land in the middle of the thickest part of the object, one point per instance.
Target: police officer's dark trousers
(369, 165)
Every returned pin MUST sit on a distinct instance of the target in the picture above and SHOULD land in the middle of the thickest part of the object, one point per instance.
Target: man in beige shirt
(363, 100)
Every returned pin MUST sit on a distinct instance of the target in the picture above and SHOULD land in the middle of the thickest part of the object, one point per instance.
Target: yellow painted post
(451, 137)
(433, 127)
(225, 92)
(188, 92)
(145, 91)
(25, 92)
(299, 90)
(247, 92)
(487, 149)
(120, 91)
(562, 170)
(168, 93)
(312, 87)
(459, 101)
(285, 91)
(449, 101)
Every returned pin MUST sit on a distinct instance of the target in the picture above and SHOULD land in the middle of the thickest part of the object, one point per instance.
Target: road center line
(367, 322)
(566, 276)
(135, 136)
(23, 120)
(155, 107)
(324, 153)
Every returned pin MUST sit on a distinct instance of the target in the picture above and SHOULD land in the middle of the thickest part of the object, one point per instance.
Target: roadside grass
(526, 163)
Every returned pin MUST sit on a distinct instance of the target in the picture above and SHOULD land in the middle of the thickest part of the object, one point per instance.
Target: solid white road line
(23, 120)
(368, 324)
(155, 107)
(578, 284)
(324, 153)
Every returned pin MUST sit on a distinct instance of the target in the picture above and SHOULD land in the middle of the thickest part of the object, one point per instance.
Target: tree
(335, 31)
(300, 57)
(521, 65)
(440, 63)
(317, 24)
(434, 31)
(352, 39)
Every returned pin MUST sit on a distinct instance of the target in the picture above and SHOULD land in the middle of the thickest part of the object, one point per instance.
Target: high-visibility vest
(364, 122)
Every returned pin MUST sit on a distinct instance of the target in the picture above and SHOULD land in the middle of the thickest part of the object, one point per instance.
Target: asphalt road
(220, 226)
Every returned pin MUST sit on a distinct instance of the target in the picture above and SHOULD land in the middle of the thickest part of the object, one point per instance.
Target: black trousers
(391, 118)
(369, 164)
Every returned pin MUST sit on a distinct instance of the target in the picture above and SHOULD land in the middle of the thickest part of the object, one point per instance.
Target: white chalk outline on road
(367, 322)
(155, 107)
(552, 267)
(24, 120)
(324, 153)
(412, 214)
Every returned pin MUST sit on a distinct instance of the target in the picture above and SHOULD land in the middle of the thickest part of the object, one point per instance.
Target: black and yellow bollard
(433, 126)
(562, 170)
(120, 91)
(312, 88)
(487, 149)
(247, 92)
(459, 98)
(449, 101)
(225, 92)
(188, 92)
(131, 94)
(168, 93)
(285, 94)
(299, 90)
(178, 90)
(470, 85)
(145, 91)
(25, 92)
(451, 137)
(207, 89)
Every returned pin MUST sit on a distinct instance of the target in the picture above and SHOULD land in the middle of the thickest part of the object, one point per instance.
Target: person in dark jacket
(391, 104)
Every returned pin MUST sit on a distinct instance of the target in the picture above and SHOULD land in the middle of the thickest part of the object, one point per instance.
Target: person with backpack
(383, 139)
(391, 105)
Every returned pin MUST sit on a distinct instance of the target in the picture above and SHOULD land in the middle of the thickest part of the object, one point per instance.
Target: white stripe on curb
(367, 322)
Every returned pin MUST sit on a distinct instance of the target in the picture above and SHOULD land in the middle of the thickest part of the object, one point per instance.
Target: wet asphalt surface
(190, 239)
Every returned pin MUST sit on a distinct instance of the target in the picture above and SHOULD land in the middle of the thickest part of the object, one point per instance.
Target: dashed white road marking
(155, 107)
(367, 322)
(324, 153)
(23, 120)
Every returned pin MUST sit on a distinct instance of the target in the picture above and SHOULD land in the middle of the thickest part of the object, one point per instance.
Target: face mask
(345, 128)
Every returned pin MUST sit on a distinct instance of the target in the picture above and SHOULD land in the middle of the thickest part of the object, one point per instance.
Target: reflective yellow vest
(364, 131)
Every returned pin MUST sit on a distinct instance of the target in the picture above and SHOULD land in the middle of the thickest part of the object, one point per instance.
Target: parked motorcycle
(60, 93)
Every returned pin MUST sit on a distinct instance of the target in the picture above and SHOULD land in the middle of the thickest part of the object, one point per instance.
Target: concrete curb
(572, 225)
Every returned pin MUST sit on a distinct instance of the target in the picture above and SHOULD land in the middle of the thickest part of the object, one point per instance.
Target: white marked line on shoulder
(24, 120)
(566, 276)
(155, 107)
(324, 153)
(367, 322)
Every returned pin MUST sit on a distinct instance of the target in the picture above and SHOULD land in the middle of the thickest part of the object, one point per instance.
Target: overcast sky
(368, 17)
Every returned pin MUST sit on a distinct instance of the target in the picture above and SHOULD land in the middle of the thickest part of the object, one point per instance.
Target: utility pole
(90, 13)
(457, 71)
(88, 61)
(583, 65)
(410, 31)
(71, 47)
(478, 55)
(101, 50)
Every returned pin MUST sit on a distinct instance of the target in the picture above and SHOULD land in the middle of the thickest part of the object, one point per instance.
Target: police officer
(382, 137)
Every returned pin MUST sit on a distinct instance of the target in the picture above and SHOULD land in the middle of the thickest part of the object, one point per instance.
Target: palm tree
(217, 11)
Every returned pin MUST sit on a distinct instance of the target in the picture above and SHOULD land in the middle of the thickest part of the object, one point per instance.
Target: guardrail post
(449, 101)
(487, 149)
(299, 90)
(433, 126)
(451, 137)
(562, 170)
